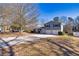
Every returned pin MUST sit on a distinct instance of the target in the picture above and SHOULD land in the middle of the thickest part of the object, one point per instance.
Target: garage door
(55, 32)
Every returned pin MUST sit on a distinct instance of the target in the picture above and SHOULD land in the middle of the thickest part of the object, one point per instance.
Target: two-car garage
(44, 31)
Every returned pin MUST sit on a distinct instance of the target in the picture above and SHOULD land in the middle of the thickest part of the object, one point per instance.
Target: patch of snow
(22, 39)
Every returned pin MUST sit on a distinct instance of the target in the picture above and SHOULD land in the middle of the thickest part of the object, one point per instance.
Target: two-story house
(51, 27)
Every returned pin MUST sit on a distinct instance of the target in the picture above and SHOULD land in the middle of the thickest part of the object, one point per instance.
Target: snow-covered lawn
(22, 39)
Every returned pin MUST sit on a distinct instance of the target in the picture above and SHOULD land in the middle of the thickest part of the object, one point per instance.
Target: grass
(13, 34)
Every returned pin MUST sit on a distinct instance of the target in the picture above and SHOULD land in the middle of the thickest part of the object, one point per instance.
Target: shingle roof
(53, 22)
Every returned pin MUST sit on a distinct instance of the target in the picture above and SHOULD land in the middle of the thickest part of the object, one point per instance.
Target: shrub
(15, 27)
(28, 31)
(60, 33)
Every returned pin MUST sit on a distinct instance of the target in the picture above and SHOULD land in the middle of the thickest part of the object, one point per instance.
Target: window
(47, 25)
(56, 25)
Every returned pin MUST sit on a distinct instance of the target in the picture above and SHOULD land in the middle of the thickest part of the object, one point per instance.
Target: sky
(49, 10)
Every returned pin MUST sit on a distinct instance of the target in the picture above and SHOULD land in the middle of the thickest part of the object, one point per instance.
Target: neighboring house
(4, 29)
(76, 30)
(1, 28)
(50, 28)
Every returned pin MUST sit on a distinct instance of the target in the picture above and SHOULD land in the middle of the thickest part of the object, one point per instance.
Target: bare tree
(27, 16)
(20, 15)
(69, 25)
(5, 15)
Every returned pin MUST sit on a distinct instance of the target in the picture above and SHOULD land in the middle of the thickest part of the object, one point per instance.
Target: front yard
(55, 46)
(13, 34)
